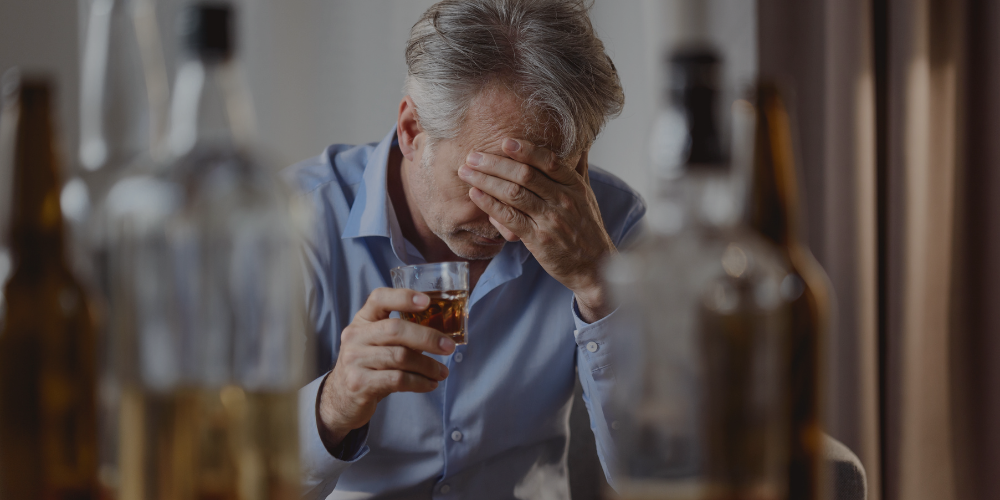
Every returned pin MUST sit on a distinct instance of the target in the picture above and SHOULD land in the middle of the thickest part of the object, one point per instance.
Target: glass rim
(430, 265)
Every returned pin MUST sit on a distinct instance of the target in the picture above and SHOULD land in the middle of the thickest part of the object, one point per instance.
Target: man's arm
(550, 206)
(378, 356)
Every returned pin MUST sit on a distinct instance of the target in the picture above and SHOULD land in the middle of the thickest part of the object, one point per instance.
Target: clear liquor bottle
(773, 210)
(123, 106)
(208, 272)
(48, 427)
(123, 109)
(700, 376)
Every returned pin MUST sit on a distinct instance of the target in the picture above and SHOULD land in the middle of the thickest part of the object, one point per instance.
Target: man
(487, 164)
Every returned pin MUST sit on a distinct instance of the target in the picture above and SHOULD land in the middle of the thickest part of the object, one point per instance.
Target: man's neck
(414, 229)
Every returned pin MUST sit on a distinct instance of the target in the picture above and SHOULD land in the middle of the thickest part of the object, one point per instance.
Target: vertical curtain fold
(924, 64)
(975, 319)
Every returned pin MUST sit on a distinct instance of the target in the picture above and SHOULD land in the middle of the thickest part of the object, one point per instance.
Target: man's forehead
(496, 113)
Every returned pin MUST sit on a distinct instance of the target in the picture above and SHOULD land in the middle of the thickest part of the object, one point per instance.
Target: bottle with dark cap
(48, 418)
(699, 401)
(208, 271)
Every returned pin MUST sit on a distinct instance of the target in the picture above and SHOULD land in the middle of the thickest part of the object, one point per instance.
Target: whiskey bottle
(701, 377)
(123, 105)
(208, 273)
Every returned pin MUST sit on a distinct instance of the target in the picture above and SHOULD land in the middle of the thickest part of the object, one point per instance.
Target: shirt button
(615, 425)
(445, 489)
(592, 346)
(458, 357)
(456, 436)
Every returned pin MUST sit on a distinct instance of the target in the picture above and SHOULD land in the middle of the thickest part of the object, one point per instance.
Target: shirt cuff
(592, 338)
(320, 464)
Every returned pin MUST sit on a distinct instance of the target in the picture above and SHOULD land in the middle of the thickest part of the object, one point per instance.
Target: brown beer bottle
(48, 442)
(773, 211)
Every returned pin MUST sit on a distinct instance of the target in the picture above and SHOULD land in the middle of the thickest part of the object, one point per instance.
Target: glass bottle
(48, 418)
(123, 108)
(208, 272)
(700, 372)
(123, 105)
(773, 210)
(9, 112)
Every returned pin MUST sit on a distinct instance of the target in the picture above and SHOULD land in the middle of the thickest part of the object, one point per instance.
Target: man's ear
(408, 130)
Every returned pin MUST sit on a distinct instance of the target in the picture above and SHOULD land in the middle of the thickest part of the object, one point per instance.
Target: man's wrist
(594, 303)
(332, 438)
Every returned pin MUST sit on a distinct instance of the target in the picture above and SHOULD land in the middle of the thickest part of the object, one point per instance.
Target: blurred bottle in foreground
(206, 276)
(701, 379)
(123, 108)
(772, 210)
(8, 134)
(123, 105)
(48, 422)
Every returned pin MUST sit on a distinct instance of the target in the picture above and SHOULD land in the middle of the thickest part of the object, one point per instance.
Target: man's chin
(477, 247)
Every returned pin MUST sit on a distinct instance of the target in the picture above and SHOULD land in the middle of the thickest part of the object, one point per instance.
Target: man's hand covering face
(548, 204)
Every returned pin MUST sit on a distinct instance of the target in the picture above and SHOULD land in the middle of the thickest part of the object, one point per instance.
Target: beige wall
(325, 71)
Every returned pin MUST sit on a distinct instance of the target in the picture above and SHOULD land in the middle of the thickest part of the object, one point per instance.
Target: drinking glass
(447, 284)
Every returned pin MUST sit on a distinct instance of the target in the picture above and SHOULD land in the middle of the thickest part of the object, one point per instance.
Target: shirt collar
(370, 212)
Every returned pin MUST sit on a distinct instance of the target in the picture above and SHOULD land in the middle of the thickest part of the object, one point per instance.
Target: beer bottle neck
(773, 199)
(36, 223)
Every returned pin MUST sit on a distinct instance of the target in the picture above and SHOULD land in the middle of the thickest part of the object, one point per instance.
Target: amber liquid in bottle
(206, 444)
(447, 313)
(772, 210)
(48, 442)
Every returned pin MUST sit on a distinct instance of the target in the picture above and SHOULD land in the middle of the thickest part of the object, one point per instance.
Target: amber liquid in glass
(447, 314)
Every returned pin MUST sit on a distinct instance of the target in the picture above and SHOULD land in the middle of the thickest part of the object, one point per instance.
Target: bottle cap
(207, 30)
(694, 84)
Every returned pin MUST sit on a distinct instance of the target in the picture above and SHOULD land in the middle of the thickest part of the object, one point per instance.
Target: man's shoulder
(610, 185)
(621, 206)
(339, 165)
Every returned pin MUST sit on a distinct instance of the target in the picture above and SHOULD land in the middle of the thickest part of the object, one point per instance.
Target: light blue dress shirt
(497, 428)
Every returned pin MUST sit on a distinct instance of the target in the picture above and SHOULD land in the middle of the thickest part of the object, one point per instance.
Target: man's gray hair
(545, 51)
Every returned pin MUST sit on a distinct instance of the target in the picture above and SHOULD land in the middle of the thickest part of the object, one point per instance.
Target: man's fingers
(516, 222)
(520, 173)
(542, 159)
(506, 233)
(510, 193)
(389, 381)
(404, 359)
(383, 301)
(398, 332)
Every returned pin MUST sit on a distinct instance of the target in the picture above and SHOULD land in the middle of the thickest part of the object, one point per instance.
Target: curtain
(898, 116)
(975, 301)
